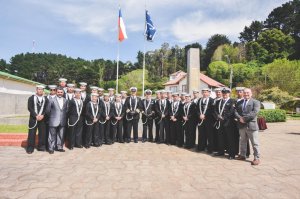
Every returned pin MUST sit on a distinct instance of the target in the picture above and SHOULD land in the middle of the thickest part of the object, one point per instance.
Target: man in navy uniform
(70, 91)
(75, 120)
(37, 107)
(148, 114)
(106, 113)
(176, 135)
(117, 119)
(63, 84)
(111, 93)
(224, 111)
(123, 100)
(188, 122)
(132, 115)
(205, 110)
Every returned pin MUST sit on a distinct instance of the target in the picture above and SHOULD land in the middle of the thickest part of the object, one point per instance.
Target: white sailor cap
(187, 95)
(62, 79)
(100, 89)
(82, 83)
(52, 86)
(122, 92)
(175, 94)
(77, 90)
(158, 91)
(110, 89)
(239, 88)
(195, 91)
(70, 85)
(117, 95)
(162, 91)
(93, 87)
(40, 86)
(105, 94)
(148, 92)
(168, 91)
(226, 90)
(205, 89)
(183, 93)
(218, 89)
(133, 89)
(94, 94)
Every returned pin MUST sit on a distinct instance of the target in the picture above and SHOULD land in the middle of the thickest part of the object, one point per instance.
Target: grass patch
(13, 128)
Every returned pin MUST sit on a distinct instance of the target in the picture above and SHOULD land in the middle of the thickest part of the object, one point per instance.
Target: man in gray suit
(56, 111)
(246, 114)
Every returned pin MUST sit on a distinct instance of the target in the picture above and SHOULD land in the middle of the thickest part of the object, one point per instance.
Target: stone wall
(13, 104)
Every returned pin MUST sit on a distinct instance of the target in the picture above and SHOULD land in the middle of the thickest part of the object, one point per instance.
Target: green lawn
(13, 128)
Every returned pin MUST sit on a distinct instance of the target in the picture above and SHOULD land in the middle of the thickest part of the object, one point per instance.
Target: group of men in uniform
(84, 120)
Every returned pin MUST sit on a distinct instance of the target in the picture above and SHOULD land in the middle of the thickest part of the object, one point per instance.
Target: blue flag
(150, 30)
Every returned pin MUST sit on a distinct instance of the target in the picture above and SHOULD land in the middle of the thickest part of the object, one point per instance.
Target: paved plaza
(155, 171)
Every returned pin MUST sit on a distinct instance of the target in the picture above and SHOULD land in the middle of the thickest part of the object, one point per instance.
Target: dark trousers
(75, 134)
(41, 126)
(226, 135)
(206, 136)
(92, 135)
(175, 129)
(56, 137)
(156, 121)
(132, 124)
(117, 130)
(188, 129)
(107, 132)
(147, 127)
(124, 129)
(194, 130)
(163, 130)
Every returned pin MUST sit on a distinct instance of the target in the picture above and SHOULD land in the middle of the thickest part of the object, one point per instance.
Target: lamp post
(231, 71)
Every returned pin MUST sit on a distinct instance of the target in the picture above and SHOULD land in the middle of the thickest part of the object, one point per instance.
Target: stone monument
(193, 70)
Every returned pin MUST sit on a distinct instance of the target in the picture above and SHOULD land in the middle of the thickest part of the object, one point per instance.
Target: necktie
(244, 105)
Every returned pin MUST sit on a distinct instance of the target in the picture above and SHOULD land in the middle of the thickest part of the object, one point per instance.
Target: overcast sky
(88, 28)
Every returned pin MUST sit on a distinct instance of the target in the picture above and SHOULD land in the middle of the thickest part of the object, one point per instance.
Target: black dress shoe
(51, 152)
(143, 140)
(219, 154)
(71, 148)
(41, 149)
(135, 141)
(231, 158)
(61, 150)
(29, 152)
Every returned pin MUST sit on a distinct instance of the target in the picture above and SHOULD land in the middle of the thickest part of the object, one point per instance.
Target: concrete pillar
(193, 70)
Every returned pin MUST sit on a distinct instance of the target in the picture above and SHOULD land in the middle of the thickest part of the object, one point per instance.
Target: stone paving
(155, 171)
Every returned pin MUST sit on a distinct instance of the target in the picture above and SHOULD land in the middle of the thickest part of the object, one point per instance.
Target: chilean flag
(122, 30)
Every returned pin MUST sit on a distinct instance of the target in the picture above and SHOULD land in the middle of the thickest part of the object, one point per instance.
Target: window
(173, 88)
(184, 88)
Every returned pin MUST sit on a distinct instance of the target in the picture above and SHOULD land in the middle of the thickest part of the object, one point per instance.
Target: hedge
(276, 115)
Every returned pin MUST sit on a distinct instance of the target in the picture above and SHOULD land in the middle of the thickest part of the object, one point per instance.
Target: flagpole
(118, 59)
(144, 58)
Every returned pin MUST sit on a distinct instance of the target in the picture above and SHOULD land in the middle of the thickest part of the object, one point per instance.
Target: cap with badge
(205, 89)
(148, 92)
(239, 88)
(226, 90)
(82, 83)
(133, 89)
(52, 87)
(62, 79)
(40, 86)
(70, 85)
(77, 90)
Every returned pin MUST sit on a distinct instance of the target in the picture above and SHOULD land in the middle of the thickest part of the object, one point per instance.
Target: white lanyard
(35, 106)
(173, 108)
(205, 108)
(93, 110)
(221, 110)
(77, 107)
(131, 104)
(186, 112)
(107, 108)
(118, 109)
(160, 103)
(147, 107)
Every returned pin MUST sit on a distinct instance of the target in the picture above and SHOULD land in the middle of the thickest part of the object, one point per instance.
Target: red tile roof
(180, 75)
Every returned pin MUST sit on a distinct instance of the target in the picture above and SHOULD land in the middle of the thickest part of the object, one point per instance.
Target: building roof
(17, 78)
(179, 75)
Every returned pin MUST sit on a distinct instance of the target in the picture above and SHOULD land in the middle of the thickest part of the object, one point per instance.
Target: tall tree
(251, 33)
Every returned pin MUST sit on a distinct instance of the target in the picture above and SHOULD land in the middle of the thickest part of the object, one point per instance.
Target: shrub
(276, 115)
(275, 95)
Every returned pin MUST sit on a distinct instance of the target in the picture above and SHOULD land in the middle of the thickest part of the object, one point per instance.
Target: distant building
(178, 82)
(14, 92)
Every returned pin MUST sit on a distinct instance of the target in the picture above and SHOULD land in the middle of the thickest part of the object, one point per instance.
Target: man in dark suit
(123, 100)
(162, 108)
(117, 119)
(189, 109)
(132, 115)
(246, 113)
(204, 110)
(218, 92)
(75, 120)
(147, 109)
(57, 112)
(37, 107)
(176, 135)
(156, 118)
(224, 111)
